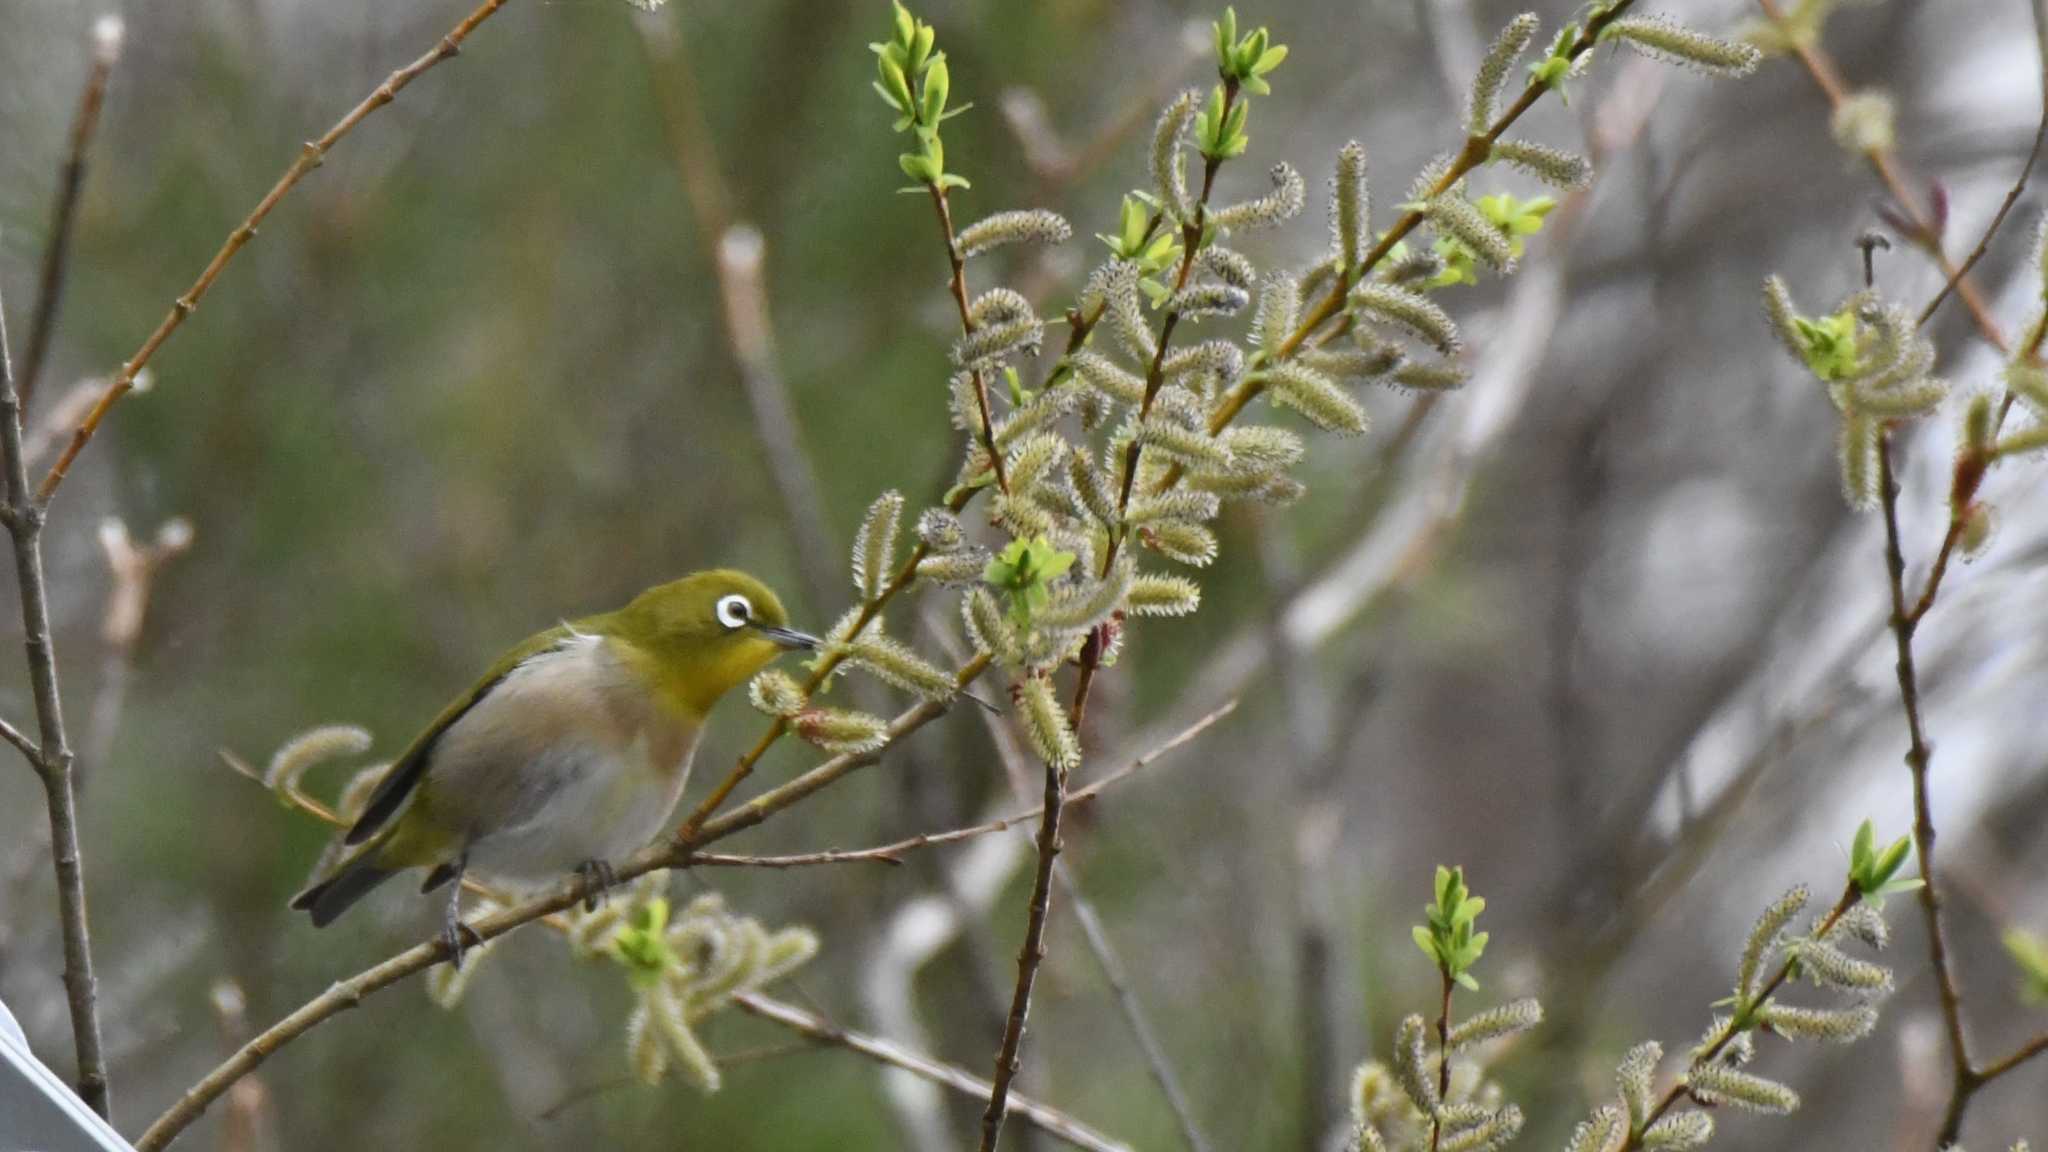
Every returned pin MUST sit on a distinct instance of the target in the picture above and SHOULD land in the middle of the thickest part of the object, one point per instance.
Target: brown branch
(957, 260)
(2019, 1056)
(22, 743)
(85, 123)
(1443, 1059)
(1918, 755)
(1030, 954)
(311, 156)
(672, 853)
(53, 761)
(1049, 1120)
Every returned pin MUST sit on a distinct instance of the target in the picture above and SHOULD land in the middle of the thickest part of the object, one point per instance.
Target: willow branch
(311, 156)
(2019, 1056)
(671, 853)
(53, 759)
(1678, 1091)
(1918, 755)
(85, 123)
(1049, 1120)
(957, 261)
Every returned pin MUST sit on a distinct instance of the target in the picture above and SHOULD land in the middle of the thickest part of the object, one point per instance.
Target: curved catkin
(1858, 455)
(1018, 226)
(894, 662)
(1080, 607)
(1497, 1023)
(1596, 1133)
(1783, 315)
(953, 569)
(1494, 69)
(840, 730)
(1764, 938)
(1045, 723)
(874, 544)
(1169, 151)
(1189, 543)
(1636, 1077)
(1126, 312)
(1409, 310)
(774, 692)
(1663, 39)
(1553, 166)
(1834, 1025)
(1037, 458)
(1263, 449)
(940, 530)
(1830, 967)
(1279, 309)
(310, 749)
(1720, 1084)
(1273, 209)
(1411, 1066)
(1208, 299)
(1181, 443)
(1214, 359)
(1175, 504)
(1350, 205)
(1679, 1132)
(1429, 375)
(987, 627)
(1453, 215)
(1108, 377)
(1227, 267)
(1161, 595)
(1004, 327)
(1358, 363)
(1327, 405)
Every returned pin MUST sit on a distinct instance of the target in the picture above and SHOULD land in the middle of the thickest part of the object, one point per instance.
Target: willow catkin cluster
(1717, 1072)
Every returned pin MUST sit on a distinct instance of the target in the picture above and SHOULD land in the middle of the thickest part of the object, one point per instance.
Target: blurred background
(1599, 628)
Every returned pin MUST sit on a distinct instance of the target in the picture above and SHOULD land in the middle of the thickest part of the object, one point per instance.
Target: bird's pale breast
(567, 759)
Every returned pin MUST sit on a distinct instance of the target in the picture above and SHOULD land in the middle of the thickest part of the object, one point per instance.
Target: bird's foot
(458, 938)
(599, 879)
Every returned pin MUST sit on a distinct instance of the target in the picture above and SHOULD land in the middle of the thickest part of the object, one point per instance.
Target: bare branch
(85, 123)
(310, 157)
(1046, 1119)
(24, 521)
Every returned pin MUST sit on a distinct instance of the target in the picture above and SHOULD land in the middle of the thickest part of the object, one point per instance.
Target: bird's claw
(599, 878)
(458, 938)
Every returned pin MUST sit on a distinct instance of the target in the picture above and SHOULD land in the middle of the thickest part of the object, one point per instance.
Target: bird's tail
(350, 881)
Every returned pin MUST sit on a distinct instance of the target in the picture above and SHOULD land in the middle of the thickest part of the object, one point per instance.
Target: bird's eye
(734, 611)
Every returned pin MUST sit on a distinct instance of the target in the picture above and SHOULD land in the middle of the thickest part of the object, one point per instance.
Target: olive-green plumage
(571, 751)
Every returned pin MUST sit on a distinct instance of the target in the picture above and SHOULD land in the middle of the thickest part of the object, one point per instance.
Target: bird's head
(705, 634)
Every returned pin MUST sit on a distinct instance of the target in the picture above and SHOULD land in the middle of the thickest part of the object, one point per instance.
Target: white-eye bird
(570, 752)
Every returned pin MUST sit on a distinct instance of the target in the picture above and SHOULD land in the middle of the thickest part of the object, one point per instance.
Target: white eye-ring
(734, 611)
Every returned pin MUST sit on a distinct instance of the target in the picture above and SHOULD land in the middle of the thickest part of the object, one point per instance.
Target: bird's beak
(788, 637)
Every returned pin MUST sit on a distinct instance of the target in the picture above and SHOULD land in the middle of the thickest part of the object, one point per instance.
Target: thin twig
(85, 123)
(22, 743)
(1923, 233)
(737, 251)
(893, 853)
(1918, 755)
(311, 156)
(2012, 197)
(671, 853)
(1047, 1119)
(1149, 1046)
(24, 520)
(2021, 1055)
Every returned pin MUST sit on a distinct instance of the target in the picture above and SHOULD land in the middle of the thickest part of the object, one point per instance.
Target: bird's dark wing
(408, 770)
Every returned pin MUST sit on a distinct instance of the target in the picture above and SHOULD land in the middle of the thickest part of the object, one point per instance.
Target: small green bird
(570, 752)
